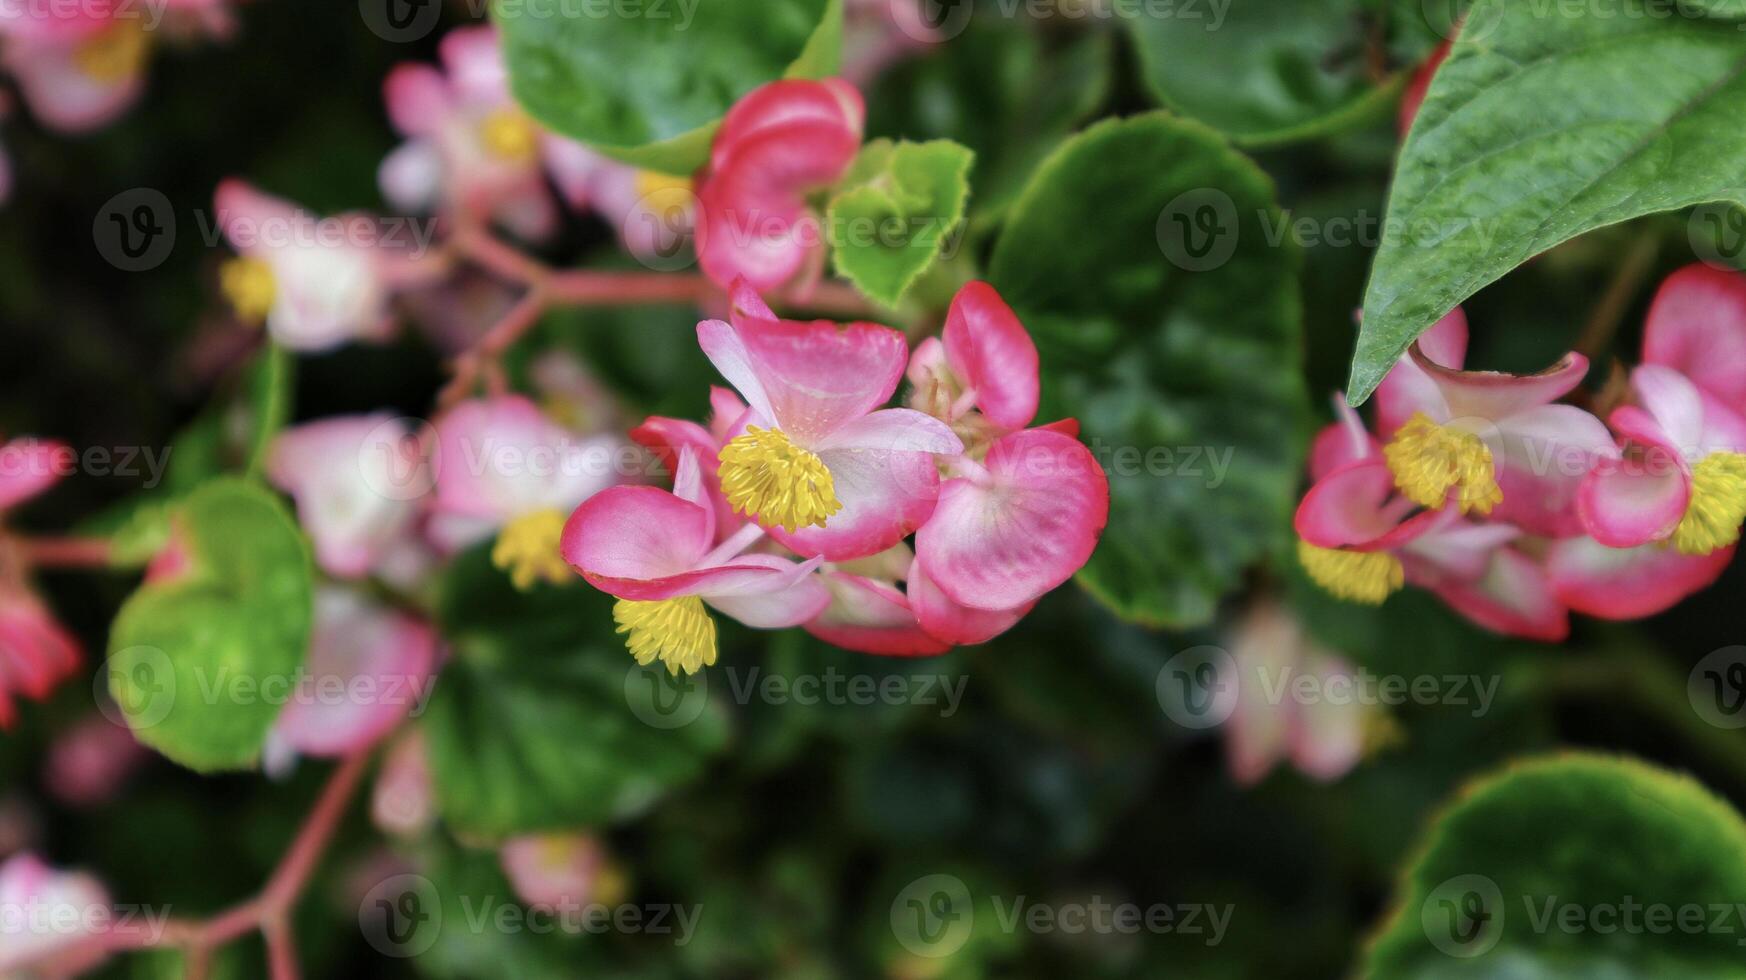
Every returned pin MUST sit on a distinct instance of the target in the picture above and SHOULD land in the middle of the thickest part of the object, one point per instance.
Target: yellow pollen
(1718, 504)
(780, 484)
(677, 632)
(118, 53)
(1428, 459)
(510, 135)
(527, 548)
(1356, 576)
(248, 284)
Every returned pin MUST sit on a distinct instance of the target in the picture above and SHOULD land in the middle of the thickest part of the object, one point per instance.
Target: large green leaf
(535, 724)
(896, 213)
(188, 657)
(1141, 257)
(648, 89)
(1540, 873)
(1266, 72)
(1546, 122)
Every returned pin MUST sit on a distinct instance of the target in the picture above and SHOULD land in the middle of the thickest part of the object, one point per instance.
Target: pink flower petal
(1513, 597)
(418, 99)
(1493, 395)
(1612, 583)
(1356, 507)
(500, 458)
(29, 466)
(940, 617)
(1455, 549)
(473, 61)
(343, 473)
(1408, 389)
(1674, 402)
(791, 596)
(1036, 522)
(1697, 326)
(624, 536)
(1633, 500)
(1327, 734)
(61, 94)
(885, 497)
(1545, 454)
(369, 666)
(871, 617)
(900, 430)
(1345, 441)
(666, 437)
(990, 352)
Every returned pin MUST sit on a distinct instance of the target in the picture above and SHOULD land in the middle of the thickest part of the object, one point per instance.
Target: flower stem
(67, 552)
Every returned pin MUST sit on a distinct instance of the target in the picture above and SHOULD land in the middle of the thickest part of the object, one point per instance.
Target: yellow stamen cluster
(767, 477)
(1718, 504)
(1428, 459)
(527, 548)
(660, 192)
(248, 284)
(677, 632)
(508, 134)
(1356, 576)
(116, 54)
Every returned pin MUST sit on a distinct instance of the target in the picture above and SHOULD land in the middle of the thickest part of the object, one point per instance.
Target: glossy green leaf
(1633, 113)
(898, 211)
(648, 89)
(1572, 867)
(1264, 72)
(195, 661)
(543, 721)
(1143, 256)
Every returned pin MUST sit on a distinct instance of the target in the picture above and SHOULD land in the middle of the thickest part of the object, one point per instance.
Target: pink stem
(67, 552)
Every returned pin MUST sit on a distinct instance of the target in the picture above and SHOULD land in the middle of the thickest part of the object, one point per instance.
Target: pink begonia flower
(1679, 474)
(942, 618)
(779, 142)
(49, 918)
(502, 464)
(984, 360)
(1271, 657)
(357, 482)
(37, 653)
(369, 667)
(469, 147)
(654, 213)
(89, 764)
(403, 802)
(560, 870)
(1016, 525)
(657, 553)
(878, 33)
(317, 283)
(1486, 442)
(1628, 583)
(868, 613)
(1361, 540)
(814, 459)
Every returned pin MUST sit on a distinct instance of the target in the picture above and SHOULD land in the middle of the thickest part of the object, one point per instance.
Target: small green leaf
(1265, 73)
(1539, 873)
(898, 211)
(536, 723)
(649, 89)
(1634, 112)
(193, 661)
(1145, 260)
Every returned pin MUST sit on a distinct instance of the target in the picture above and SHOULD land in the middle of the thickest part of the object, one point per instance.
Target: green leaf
(1716, 8)
(649, 89)
(1534, 874)
(1544, 124)
(1265, 73)
(900, 205)
(535, 725)
(188, 657)
(270, 386)
(1178, 353)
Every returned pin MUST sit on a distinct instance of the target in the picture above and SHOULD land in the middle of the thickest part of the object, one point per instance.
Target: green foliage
(194, 661)
(1139, 258)
(649, 90)
(896, 212)
(1269, 72)
(534, 725)
(1635, 112)
(1534, 873)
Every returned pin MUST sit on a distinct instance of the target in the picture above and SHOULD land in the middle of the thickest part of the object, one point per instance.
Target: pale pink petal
(885, 497)
(1697, 326)
(1613, 583)
(1455, 549)
(952, 623)
(1513, 597)
(725, 409)
(1674, 402)
(411, 177)
(1345, 441)
(369, 666)
(1327, 733)
(1542, 459)
(347, 476)
(667, 437)
(896, 430)
(1633, 499)
(871, 617)
(474, 64)
(29, 466)
(1265, 646)
(990, 352)
(500, 458)
(248, 217)
(418, 99)
(1407, 388)
(790, 597)
(624, 536)
(49, 918)
(1034, 524)
(61, 94)
(555, 871)
(1493, 396)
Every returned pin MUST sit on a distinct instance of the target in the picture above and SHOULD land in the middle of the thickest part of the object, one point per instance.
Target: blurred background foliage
(1058, 777)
